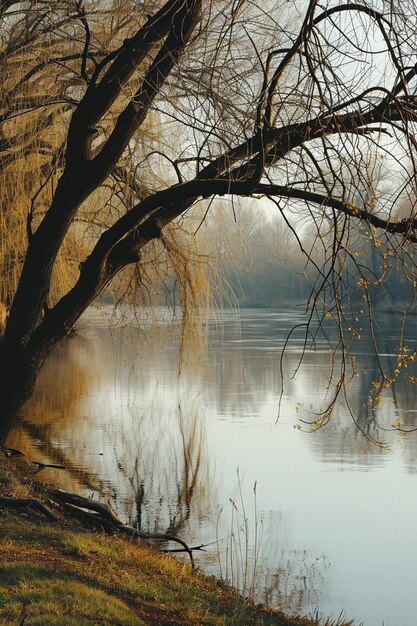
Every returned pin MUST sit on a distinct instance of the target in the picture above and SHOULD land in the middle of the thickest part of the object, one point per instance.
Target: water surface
(331, 519)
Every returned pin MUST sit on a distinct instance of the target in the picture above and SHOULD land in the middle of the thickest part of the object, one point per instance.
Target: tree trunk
(17, 383)
(21, 362)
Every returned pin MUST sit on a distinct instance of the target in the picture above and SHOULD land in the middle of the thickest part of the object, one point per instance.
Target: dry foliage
(120, 122)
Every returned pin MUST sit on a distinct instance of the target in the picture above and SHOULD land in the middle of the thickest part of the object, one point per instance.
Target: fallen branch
(12, 453)
(104, 510)
(28, 503)
(92, 520)
(201, 548)
(38, 466)
(96, 513)
(105, 515)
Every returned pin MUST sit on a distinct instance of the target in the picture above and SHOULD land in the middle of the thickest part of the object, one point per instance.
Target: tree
(250, 99)
(259, 272)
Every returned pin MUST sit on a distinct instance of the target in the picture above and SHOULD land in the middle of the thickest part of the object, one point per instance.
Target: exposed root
(28, 503)
(92, 513)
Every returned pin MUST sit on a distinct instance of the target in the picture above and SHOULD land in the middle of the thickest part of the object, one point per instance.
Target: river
(306, 521)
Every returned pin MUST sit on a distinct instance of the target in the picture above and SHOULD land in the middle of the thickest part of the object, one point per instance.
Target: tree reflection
(89, 402)
(114, 427)
(379, 405)
(63, 385)
(115, 412)
(163, 480)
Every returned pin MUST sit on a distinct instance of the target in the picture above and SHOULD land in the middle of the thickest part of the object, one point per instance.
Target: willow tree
(281, 101)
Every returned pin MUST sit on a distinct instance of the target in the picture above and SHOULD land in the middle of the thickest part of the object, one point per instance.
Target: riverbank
(58, 574)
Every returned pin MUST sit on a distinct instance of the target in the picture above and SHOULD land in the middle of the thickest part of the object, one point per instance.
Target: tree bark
(237, 166)
(30, 335)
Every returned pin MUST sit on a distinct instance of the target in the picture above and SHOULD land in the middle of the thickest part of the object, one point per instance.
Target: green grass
(66, 576)
(74, 578)
(51, 599)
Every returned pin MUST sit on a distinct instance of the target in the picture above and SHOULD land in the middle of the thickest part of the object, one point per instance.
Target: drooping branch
(299, 41)
(353, 7)
(122, 243)
(280, 141)
(118, 66)
(183, 23)
(82, 175)
(243, 104)
(405, 227)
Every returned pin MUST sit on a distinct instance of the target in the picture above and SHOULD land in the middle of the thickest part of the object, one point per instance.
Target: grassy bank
(61, 575)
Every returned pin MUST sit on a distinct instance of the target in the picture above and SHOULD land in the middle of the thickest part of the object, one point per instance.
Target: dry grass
(62, 575)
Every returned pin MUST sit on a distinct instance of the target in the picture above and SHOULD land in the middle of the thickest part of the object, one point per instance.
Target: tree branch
(182, 26)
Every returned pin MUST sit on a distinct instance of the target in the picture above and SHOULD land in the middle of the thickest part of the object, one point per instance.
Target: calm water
(331, 519)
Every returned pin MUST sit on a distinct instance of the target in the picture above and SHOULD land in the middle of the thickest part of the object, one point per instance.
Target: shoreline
(60, 573)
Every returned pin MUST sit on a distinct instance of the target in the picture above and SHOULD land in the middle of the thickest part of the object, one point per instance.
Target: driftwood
(94, 513)
(104, 513)
(86, 518)
(103, 510)
(45, 465)
(12, 453)
(28, 503)
(38, 466)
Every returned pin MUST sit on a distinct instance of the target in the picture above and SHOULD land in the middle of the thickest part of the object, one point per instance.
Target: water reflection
(98, 412)
(164, 450)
